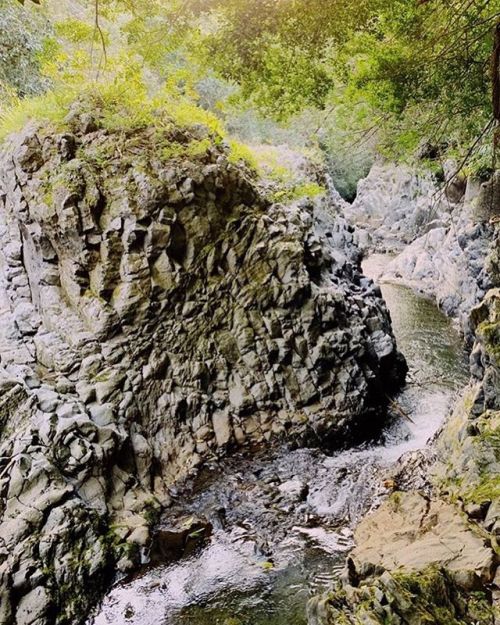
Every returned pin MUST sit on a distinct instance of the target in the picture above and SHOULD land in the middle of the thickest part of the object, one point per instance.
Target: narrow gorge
(249, 314)
(160, 313)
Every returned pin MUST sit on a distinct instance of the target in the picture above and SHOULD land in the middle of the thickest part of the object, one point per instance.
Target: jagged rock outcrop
(450, 264)
(413, 532)
(429, 596)
(448, 236)
(418, 559)
(469, 446)
(155, 311)
(395, 204)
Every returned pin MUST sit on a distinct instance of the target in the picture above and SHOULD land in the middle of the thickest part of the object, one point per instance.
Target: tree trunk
(495, 69)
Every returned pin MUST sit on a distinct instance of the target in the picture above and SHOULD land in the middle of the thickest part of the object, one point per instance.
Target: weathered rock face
(449, 265)
(395, 205)
(485, 358)
(448, 236)
(420, 556)
(469, 446)
(429, 596)
(155, 312)
(416, 557)
(413, 532)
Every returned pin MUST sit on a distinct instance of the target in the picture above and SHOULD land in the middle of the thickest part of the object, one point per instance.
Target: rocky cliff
(451, 263)
(395, 204)
(442, 236)
(157, 311)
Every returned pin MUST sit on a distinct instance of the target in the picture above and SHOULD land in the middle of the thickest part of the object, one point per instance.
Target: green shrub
(22, 35)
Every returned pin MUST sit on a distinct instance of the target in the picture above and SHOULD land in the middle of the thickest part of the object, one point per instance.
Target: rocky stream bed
(201, 404)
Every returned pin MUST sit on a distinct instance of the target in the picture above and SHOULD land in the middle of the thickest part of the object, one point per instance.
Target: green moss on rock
(424, 598)
(489, 331)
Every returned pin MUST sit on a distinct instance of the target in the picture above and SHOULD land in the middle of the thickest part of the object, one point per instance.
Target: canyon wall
(441, 237)
(431, 551)
(157, 311)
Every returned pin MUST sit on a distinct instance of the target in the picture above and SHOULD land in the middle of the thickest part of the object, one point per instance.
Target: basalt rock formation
(396, 204)
(446, 233)
(402, 598)
(157, 311)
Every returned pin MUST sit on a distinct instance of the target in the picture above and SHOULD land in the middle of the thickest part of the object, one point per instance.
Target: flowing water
(282, 521)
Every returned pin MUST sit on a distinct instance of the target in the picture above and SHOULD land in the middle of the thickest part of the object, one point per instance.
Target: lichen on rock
(429, 596)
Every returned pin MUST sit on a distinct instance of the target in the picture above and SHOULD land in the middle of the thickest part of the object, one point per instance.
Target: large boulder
(157, 311)
(412, 532)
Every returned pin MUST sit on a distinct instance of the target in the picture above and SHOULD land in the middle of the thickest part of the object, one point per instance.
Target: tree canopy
(352, 76)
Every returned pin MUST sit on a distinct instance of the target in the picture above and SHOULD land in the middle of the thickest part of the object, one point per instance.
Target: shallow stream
(283, 521)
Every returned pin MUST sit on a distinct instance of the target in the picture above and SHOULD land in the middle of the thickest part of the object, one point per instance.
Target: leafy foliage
(351, 78)
(279, 51)
(123, 102)
(21, 40)
(399, 71)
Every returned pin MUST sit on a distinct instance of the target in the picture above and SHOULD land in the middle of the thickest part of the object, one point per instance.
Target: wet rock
(295, 490)
(178, 540)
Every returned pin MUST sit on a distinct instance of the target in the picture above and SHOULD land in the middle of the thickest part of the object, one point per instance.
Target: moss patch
(489, 331)
(417, 598)
(298, 191)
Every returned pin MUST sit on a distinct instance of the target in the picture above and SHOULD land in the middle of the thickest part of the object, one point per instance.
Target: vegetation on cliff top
(349, 79)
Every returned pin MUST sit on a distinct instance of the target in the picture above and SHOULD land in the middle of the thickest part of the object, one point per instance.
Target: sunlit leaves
(419, 69)
(389, 73)
(279, 51)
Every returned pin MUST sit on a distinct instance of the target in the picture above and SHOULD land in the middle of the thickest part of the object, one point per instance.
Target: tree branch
(98, 31)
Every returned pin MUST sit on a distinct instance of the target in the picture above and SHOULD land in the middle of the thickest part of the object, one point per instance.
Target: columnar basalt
(157, 311)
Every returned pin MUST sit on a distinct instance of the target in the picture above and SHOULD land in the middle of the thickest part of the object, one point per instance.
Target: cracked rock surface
(421, 557)
(443, 238)
(156, 312)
